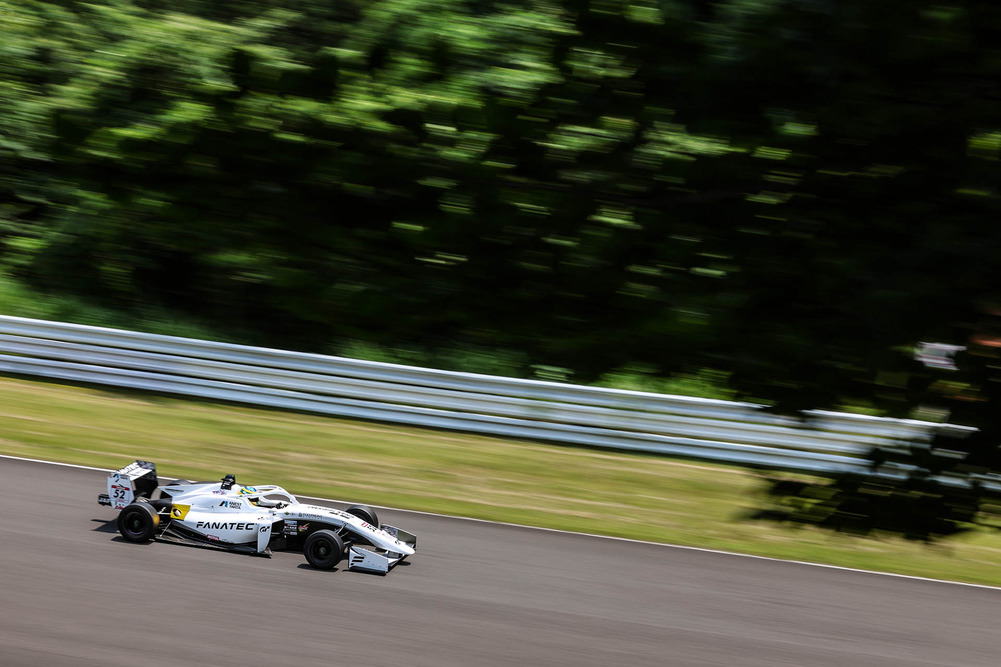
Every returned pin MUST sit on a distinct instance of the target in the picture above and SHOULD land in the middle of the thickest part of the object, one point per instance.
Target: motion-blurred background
(774, 200)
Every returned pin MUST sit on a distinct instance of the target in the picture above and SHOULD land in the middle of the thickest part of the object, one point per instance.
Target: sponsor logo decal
(314, 517)
(224, 525)
(293, 527)
(234, 504)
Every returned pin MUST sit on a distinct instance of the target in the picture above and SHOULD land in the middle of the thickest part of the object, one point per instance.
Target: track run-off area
(475, 594)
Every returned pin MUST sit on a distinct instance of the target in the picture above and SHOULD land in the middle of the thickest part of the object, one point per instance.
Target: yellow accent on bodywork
(179, 511)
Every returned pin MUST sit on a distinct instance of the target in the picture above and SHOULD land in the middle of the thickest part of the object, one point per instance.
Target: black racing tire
(323, 549)
(138, 522)
(365, 513)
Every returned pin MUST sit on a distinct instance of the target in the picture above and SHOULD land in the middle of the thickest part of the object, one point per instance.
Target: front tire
(365, 513)
(324, 549)
(138, 522)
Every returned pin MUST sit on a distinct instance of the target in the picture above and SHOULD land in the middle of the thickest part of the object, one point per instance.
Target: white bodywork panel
(251, 516)
(374, 534)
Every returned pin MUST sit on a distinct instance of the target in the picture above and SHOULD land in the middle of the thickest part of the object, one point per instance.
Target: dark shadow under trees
(932, 498)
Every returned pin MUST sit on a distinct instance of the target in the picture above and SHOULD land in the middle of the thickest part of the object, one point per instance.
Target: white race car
(251, 519)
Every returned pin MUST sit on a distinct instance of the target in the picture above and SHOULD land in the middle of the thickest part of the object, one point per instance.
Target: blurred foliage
(926, 488)
(791, 193)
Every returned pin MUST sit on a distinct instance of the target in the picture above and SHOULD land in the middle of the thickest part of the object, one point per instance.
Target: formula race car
(251, 519)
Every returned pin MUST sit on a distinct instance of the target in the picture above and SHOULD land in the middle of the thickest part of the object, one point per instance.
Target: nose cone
(405, 550)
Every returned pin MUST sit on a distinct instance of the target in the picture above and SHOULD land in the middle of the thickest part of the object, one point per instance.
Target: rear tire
(323, 549)
(365, 513)
(138, 522)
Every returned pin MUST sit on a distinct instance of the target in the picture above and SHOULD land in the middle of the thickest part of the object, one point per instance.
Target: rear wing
(136, 480)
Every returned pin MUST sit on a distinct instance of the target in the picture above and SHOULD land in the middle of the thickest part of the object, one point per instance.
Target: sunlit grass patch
(613, 493)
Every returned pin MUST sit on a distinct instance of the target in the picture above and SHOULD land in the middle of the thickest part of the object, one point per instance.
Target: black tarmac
(476, 594)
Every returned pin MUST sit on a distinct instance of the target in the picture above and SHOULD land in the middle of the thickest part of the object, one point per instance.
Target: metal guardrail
(675, 425)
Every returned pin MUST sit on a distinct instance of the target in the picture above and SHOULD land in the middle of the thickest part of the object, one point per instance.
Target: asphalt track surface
(74, 593)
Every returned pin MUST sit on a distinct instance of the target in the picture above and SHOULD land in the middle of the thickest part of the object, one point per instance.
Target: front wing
(380, 561)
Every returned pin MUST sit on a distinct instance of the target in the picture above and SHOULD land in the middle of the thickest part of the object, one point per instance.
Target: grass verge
(610, 493)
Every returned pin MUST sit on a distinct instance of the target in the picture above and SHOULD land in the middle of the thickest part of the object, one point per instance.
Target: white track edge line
(571, 532)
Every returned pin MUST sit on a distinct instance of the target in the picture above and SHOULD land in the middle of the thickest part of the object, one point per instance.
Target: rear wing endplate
(136, 480)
